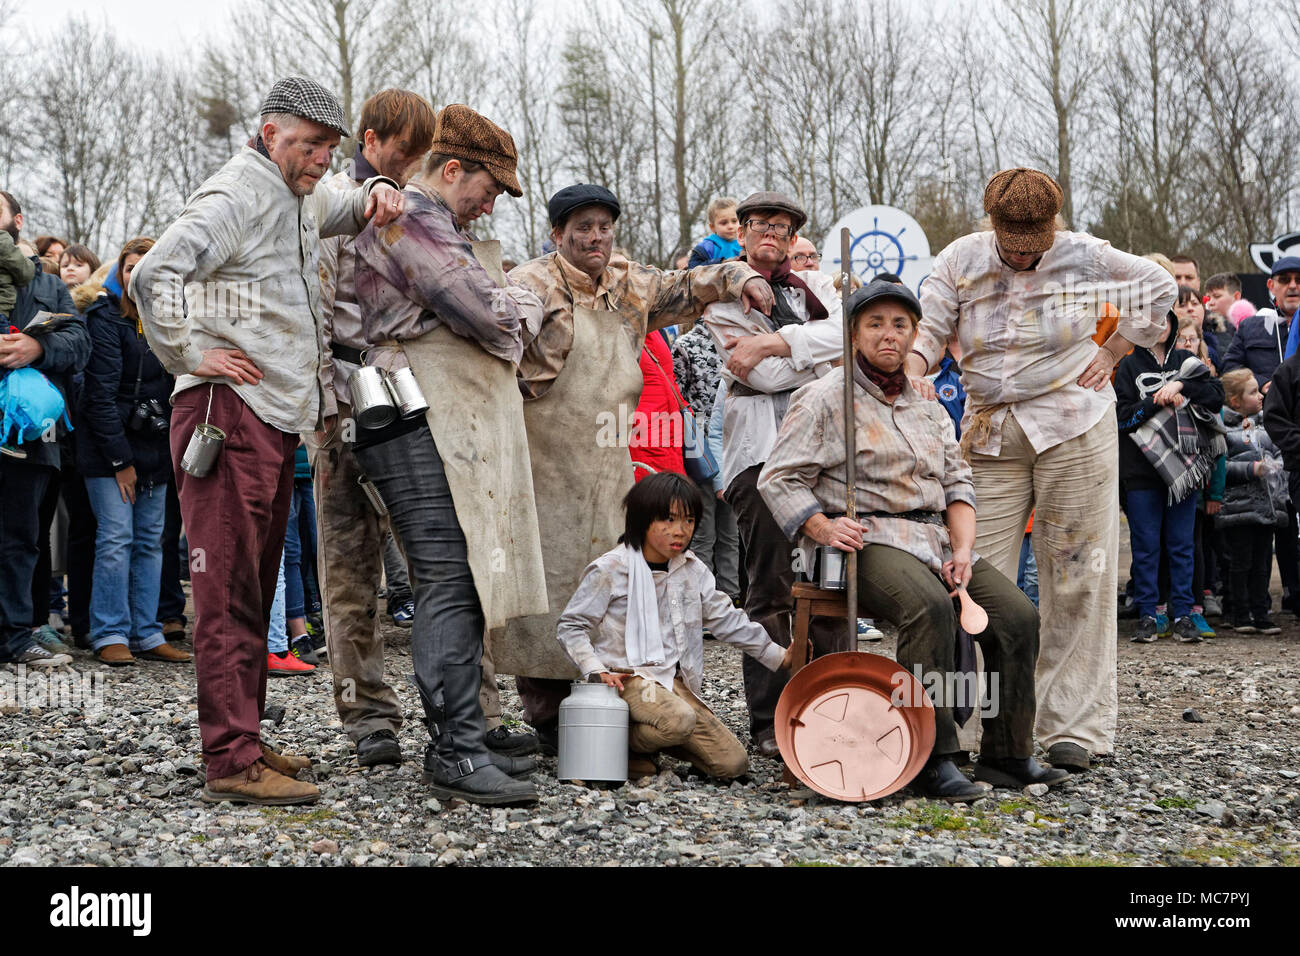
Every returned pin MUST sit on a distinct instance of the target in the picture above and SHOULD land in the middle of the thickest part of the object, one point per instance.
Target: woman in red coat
(655, 439)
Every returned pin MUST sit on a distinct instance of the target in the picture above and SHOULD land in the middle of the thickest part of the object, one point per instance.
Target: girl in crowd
(1147, 381)
(1254, 503)
(122, 450)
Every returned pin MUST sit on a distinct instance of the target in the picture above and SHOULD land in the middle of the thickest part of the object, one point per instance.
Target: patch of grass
(283, 817)
(1114, 859)
(1203, 854)
(811, 863)
(1015, 806)
(1182, 803)
(933, 816)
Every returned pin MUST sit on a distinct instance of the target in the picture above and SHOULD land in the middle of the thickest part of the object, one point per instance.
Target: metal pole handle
(850, 432)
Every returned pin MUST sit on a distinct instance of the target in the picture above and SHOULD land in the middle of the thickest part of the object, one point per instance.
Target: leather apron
(580, 477)
(476, 417)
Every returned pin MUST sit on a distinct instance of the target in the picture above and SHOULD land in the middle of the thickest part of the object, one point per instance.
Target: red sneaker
(286, 665)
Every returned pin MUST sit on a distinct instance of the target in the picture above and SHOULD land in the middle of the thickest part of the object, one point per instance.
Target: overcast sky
(152, 24)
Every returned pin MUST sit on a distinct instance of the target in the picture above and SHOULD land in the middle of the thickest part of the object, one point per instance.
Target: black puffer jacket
(119, 354)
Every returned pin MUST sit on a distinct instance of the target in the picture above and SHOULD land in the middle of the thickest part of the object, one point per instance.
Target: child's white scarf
(645, 644)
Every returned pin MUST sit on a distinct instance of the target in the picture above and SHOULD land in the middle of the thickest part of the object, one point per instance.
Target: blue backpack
(29, 405)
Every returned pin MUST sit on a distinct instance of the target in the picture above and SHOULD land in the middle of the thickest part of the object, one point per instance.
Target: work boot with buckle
(465, 779)
(262, 785)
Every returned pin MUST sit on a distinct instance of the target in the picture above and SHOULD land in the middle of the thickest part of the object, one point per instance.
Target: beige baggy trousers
(1073, 491)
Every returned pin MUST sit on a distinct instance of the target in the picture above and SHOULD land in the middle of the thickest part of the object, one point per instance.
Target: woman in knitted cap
(1039, 426)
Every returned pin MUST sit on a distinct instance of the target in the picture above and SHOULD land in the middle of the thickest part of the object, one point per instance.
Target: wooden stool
(811, 601)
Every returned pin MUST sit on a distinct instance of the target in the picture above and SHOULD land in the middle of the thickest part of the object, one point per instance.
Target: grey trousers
(717, 542)
(447, 636)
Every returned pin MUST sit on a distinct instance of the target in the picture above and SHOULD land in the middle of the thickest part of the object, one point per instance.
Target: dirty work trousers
(1072, 488)
(235, 519)
(678, 722)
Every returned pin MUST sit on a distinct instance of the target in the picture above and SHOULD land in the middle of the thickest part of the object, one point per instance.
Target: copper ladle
(974, 619)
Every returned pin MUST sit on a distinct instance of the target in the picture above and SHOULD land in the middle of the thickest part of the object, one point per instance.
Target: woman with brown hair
(122, 451)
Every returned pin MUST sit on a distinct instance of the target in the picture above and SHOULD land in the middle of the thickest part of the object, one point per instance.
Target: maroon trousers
(235, 519)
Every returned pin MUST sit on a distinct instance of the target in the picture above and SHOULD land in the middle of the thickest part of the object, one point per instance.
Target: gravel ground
(121, 786)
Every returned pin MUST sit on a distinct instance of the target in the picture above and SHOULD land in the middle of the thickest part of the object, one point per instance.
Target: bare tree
(89, 118)
(1246, 158)
(1051, 62)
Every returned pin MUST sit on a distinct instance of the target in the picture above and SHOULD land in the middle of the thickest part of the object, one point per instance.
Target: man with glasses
(1264, 341)
(804, 255)
(581, 381)
(767, 358)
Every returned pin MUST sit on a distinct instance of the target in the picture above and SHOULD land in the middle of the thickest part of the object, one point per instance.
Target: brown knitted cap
(1023, 204)
(460, 132)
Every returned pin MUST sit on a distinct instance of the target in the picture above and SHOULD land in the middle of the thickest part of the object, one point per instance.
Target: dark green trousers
(894, 585)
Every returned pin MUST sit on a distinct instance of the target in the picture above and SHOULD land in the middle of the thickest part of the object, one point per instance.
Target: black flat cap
(299, 96)
(779, 202)
(571, 198)
(884, 289)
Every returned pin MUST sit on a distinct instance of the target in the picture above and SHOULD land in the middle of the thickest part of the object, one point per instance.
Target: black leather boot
(1017, 772)
(473, 782)
(502, 741)
(941, 780)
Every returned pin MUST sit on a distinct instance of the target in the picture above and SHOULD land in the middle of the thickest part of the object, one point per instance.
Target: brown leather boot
(261, 785)
(115, 655)
(165, 652)
(288, 764)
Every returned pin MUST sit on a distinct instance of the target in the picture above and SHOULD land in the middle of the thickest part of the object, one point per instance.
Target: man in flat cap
(581, 381)
(1039, 427)
(766, 359)
(230, 302)
(455, 479)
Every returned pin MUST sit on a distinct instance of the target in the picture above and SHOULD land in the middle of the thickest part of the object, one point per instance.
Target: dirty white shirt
(240, 269)
(594, 623)
(750, 422)
(1026, 336)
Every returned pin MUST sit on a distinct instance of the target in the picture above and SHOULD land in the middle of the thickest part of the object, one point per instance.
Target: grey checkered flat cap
(300, 96)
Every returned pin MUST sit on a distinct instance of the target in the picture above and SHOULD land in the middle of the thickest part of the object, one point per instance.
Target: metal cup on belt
(372, 405)
(406, 393)
(205, 444)
(201, 453)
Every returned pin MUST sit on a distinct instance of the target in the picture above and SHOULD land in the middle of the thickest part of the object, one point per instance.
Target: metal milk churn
(593, 734)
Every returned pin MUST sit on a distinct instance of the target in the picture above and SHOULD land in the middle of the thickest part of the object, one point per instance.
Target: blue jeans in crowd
(277, 635)
(128, 565)
(302, 503)
(1149, 513)
(1027, 573)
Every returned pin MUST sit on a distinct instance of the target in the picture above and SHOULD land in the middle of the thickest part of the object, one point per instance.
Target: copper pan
(840, 733)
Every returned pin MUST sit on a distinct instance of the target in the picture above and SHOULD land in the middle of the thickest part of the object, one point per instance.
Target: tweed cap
(572, 198)
(460, 132)
(299, 96)
(1023, 203)
(884, 289)
(780, 202)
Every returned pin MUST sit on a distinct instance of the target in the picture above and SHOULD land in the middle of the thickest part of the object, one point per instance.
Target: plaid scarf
(1182, 443)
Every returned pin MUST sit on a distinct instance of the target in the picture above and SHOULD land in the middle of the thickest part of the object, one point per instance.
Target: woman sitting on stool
(917, 509)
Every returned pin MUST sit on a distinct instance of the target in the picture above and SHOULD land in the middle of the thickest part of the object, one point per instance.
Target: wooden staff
(850, 433)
